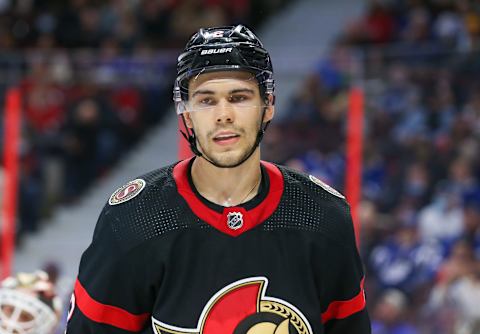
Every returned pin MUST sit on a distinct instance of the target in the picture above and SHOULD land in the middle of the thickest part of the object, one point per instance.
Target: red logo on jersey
(243, 308)
(127, 192)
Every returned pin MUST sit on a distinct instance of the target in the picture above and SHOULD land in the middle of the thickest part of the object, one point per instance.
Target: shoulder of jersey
(312, 180)
(331, 215)
(129, 191)
(136, 211)
(325, 186)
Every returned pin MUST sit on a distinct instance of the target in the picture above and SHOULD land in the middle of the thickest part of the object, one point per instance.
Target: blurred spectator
(456, 292)
(450, 29)
(442, 220)
(30, 193)
(416, 183)
(380, 23)
(127, 103)
(403, 262)
(471, 110)
(375, 227)
(30, 304)
(374, 174)
(154, 18)
(465, 295)
(44, 100)
(89, 145)
(471, 217)
(471, 18)
(190, 15)
(328, 167)
(459, 263)
(68, 29)
(389, 314)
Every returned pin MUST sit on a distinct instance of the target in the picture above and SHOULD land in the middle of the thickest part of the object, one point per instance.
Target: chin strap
(192, 141)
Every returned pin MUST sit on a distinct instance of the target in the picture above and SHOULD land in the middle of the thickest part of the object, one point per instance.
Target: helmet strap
(189, 136)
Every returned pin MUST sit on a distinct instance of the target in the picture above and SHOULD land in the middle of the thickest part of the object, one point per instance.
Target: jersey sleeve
(111, 293)
(342, 292)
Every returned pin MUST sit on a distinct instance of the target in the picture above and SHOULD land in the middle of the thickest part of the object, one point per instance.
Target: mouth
(226, 138)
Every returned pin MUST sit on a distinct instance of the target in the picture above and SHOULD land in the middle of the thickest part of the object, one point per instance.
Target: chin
(227, 159)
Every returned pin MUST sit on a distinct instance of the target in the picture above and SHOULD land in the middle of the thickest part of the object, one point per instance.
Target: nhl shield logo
(234, 220)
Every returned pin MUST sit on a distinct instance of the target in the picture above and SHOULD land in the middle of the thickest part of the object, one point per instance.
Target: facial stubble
(221, 162)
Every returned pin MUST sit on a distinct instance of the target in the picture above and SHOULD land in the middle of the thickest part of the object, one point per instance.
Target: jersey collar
(233, 220)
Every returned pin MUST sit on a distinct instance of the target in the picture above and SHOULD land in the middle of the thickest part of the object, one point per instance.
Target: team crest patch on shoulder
(325, 186)
(127, 192)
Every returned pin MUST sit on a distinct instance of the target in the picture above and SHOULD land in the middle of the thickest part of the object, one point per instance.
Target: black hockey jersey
(164, 261)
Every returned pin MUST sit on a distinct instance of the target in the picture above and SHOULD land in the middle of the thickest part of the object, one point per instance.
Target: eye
(207, 101)
(238, 98)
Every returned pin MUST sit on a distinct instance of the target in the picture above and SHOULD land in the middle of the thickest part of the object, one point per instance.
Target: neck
(227, 186)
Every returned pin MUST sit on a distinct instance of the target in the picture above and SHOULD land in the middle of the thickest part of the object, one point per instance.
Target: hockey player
(222, 243)
(29, 304)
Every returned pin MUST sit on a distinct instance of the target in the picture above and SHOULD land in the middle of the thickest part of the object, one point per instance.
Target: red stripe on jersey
(345, 308)
(107, 314)
(218, 220)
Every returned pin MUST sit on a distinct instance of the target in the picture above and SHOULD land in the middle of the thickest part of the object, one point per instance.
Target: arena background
(87, 86)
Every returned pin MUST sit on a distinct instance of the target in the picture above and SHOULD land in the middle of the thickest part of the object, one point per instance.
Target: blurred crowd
(418, 63)
(124, 24)
(94, 77)
(448, 23)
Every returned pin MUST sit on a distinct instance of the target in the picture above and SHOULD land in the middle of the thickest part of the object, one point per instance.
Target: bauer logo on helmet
(215, 51)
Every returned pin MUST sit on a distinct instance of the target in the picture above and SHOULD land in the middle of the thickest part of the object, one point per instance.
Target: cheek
(252, 123)
(202, 127)
(197, 123)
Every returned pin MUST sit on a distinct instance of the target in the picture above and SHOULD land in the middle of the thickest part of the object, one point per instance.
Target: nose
(225, 112)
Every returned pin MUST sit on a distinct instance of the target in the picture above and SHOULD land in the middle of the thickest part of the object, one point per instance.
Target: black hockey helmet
(223, 48)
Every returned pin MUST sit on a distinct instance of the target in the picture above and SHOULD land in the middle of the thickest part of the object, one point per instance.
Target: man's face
(225, 110)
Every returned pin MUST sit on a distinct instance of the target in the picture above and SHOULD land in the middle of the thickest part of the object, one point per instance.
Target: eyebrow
(234, 91)
(242, 90)
(202, 91)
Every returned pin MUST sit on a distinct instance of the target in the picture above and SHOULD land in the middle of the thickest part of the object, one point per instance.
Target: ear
(270, 109)
(188, 120)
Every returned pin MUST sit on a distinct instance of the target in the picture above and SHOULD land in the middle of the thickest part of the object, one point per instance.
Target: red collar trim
(246, 219)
